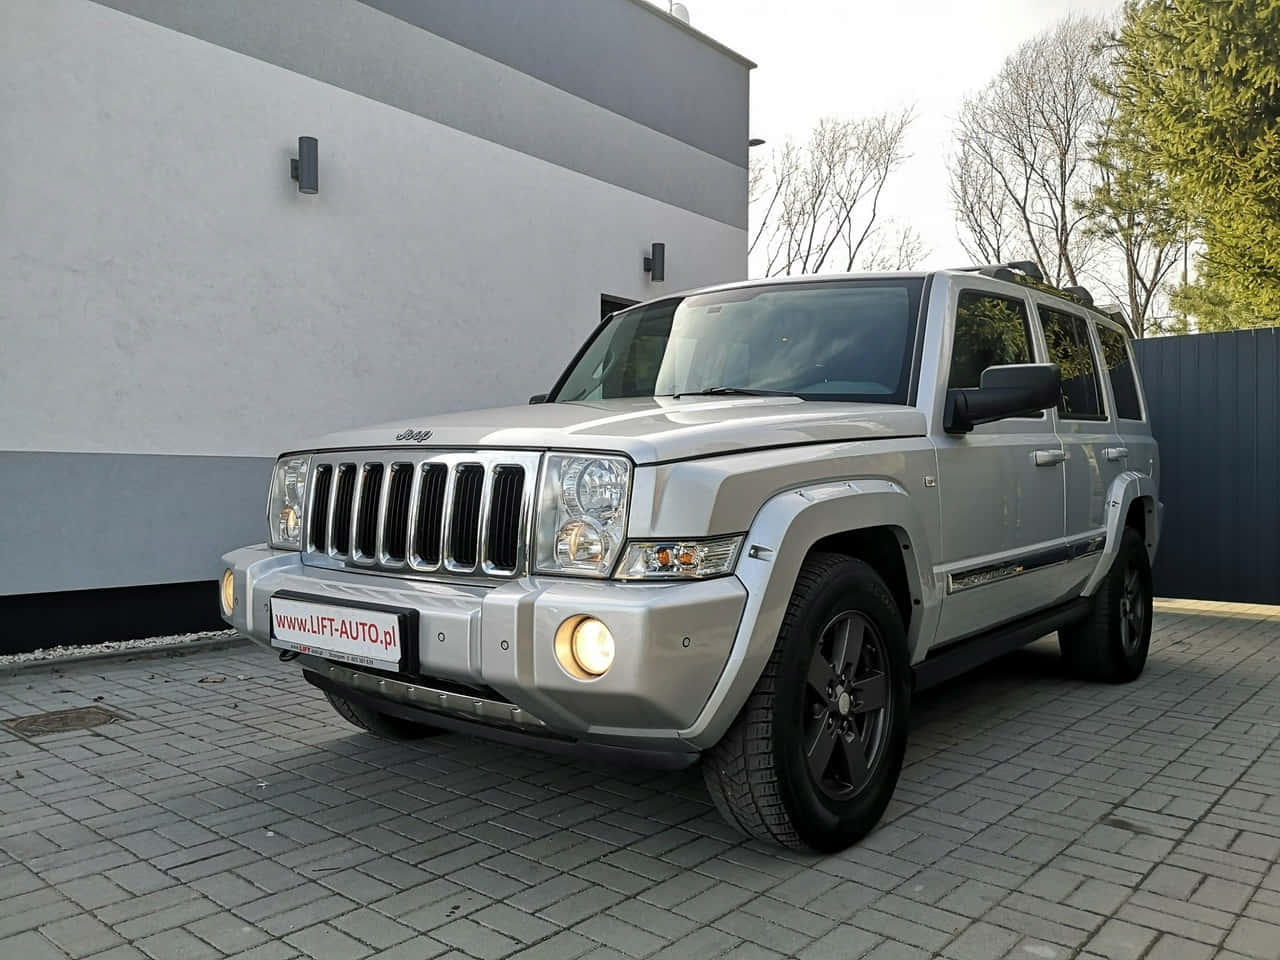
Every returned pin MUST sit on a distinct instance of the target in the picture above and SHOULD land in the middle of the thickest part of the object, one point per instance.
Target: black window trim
(1031, 340)
(1113, 327)
(1105, 415)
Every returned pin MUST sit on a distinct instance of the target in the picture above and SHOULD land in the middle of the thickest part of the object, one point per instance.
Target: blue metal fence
(1215, 409)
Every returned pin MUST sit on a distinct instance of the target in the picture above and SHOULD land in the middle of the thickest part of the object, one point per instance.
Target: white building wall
(167, 292)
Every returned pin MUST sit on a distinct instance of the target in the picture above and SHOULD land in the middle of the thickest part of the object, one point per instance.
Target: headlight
(286, 502)
(582, 513)
(679, 559)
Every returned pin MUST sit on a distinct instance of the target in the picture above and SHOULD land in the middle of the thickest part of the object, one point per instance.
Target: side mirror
(538, 398)
(1017, 390)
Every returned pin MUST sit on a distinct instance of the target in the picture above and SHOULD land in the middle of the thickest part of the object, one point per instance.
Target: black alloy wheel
(845, 705)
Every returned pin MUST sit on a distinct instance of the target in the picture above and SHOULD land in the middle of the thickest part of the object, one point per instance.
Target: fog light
(584, 647)
(227, 594)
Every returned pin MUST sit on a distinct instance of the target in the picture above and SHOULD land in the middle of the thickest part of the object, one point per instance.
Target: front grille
(504, 516)
(429, 530)
(464, 529)
(370, 508)
(396, 535)
(319, 523)
(340, 513)
(462, 513)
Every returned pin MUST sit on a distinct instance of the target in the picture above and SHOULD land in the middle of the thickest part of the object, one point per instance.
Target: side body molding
(781, 535)
(1125, 489)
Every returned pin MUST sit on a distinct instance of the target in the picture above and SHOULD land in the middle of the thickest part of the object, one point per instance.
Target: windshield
(847, 340)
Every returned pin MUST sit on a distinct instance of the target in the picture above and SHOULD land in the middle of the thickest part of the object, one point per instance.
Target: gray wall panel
(353, 46)
(615, 53)
(109, 520)
(1215, 410)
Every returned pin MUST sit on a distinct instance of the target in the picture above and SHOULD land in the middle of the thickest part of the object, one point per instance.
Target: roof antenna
(679, 11)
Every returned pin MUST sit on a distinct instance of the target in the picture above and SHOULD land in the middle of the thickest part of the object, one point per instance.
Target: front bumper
(486, 651)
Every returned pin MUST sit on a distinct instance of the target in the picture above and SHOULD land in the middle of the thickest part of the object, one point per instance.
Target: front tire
(814, 755)
(379, 724)
(1112, 642)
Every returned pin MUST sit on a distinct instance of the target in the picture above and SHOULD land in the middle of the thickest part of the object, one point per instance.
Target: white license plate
(350, 634)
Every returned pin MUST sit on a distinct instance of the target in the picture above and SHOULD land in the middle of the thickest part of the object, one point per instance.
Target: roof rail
(1081, 294)
(1029, 273)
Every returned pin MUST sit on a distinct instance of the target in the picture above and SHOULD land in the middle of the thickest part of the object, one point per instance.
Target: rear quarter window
(1119, 367)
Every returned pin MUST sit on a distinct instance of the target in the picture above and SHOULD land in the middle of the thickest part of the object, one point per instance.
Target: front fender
(781, 536)
(1125, 489)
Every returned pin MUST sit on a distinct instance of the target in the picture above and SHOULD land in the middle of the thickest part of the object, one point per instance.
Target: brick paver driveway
(1036, 818)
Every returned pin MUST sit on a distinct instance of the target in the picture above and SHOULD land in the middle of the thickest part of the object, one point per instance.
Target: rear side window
(1124, 386)
(991, 331)
(1067, 338)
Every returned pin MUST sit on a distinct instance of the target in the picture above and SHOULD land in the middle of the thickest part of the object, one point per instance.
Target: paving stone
(1253, 938)
(30, 946)
(227, 932)
(170, 944)
(369, 926)
(1119, 940)
(981, 941)
(1169, 947)
(1035, 819)
(475, 940)
(81, 936)
(324, 942)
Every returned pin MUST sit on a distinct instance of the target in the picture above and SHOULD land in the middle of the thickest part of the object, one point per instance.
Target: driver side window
(991, 331)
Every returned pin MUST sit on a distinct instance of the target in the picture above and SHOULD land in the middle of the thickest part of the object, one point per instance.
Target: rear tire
(379, 724)
(1112, 642)
(814, 755)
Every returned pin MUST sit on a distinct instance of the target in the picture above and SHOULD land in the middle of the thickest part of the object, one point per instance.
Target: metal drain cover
(62, 721)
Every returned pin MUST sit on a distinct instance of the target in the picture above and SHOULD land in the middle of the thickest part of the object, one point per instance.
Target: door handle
(1116, 453)
(1047, 458)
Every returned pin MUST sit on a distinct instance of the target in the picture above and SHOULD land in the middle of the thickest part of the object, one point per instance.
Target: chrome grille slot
(503, 540)
(464, 519)
(319, 520)
(429, 526)
(370, 500)
(395, 535)
(422, 513)
(340, 511)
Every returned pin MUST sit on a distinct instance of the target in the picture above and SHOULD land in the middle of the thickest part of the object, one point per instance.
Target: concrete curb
(179, 648)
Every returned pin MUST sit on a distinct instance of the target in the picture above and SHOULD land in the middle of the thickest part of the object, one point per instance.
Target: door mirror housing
(538, 398)
(1017, 390)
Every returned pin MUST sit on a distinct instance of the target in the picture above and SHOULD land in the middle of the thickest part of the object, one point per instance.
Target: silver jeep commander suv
(743, 527)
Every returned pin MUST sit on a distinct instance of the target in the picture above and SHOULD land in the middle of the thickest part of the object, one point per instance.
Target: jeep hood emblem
(416, 435)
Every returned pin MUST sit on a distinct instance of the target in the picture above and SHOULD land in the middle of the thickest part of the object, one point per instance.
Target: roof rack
(1028, 273)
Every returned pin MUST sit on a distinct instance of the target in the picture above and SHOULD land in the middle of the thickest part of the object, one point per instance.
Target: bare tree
(1023, 164)
(816, 205)
(893, 246)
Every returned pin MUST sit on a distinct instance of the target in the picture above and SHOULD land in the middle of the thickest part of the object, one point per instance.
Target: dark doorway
(610, 305)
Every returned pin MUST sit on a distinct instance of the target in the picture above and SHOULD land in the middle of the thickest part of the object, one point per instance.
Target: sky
(853, 58)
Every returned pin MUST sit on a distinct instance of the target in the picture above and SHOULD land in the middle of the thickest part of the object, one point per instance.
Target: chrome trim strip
(486, 503)
(429, 698)
(989, 573)
(1088, 547)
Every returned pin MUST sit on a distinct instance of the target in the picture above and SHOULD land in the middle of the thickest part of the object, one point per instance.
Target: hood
(648, 429)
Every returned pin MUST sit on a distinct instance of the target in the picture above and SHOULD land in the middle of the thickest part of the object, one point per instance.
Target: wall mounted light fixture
(306, 168)
(655, 265)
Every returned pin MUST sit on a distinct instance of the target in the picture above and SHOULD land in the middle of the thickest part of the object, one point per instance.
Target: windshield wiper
(732, 392)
